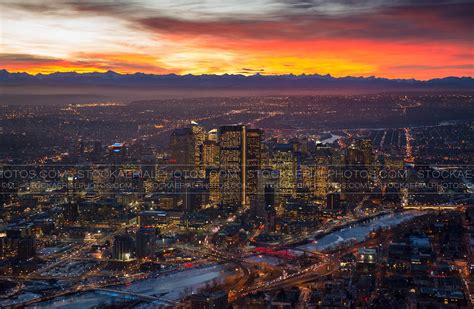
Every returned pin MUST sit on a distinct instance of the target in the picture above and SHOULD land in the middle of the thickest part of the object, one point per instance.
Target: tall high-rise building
(199, 136)
(213, 178)
(267, 197)
(71, 211)
(233, 147)
(3, 246)
(265, 202)
(146, 242)
(195, 197)
(308, 179)
(210, 154)
(182, 147)
(123, 247)
(321, 183)
(20, 239)
(71, 208)
(186, 146)
(284, 162)
(358, 168)
(240, 161)
(117, 154)
(333, 201)
(26, 248)
(359, 153)
(253, 162)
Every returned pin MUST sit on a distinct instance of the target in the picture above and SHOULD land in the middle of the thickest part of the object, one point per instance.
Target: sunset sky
(396, 39)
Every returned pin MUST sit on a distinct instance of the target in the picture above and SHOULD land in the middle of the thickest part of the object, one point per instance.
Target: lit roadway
(219, 255)
(94, 287)
(66, 257)
(329, 265)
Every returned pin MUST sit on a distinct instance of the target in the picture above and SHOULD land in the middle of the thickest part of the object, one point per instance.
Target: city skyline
(396, 39)
(296, 154)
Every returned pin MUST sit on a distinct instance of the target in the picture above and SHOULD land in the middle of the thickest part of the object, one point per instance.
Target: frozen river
(171, 287)
(331, 139)
(175, 285)
(359, 231)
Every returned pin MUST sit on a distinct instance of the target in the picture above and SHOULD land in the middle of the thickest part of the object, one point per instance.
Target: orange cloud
(83, 63)
(393, 39)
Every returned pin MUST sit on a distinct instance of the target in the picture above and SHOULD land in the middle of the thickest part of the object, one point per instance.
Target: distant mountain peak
(258, 80)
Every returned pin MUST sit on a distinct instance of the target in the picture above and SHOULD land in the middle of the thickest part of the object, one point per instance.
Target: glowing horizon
(391, 39)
